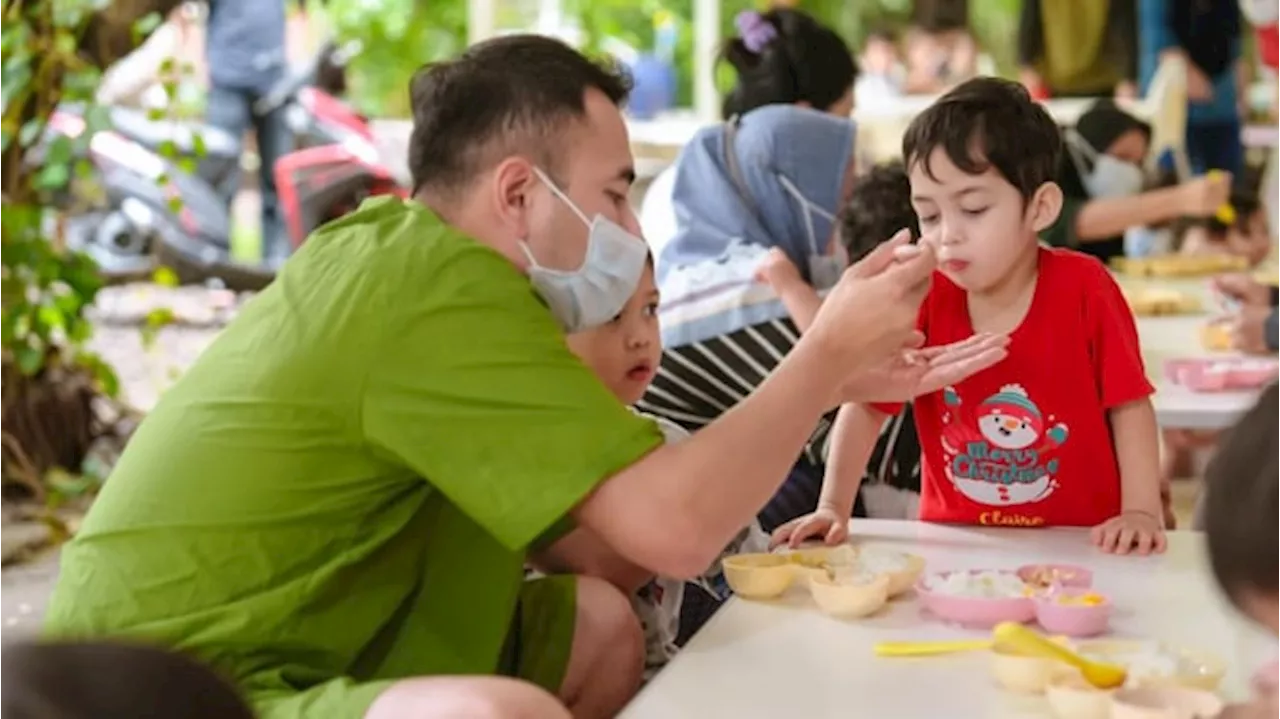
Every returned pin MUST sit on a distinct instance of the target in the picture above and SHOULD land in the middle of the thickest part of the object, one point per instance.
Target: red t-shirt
(1027, 443)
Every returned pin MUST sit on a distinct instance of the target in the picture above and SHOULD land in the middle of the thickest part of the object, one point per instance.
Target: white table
(1165, 338)
(786, 659)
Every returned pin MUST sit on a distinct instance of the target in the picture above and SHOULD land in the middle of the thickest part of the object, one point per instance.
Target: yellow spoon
(1026, 641)
(928, 649)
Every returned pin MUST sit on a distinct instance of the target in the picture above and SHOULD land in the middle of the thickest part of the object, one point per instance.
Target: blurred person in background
(1083, 48)
(881, 72)
(1206, 35)
(246, 54)
(783, 57)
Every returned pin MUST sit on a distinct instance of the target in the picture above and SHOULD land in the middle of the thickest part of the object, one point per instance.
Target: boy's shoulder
(1073, 272)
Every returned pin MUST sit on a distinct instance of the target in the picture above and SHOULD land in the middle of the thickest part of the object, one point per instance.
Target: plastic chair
(1165, 107)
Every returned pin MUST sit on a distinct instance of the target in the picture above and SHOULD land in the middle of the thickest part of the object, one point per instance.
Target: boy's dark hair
(104, 680)
(506, 95)
(878, 206)
(1241, 504)
(805, 62)
(987, 123)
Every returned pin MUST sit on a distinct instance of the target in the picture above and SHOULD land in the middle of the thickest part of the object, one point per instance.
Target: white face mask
(1110, 177)
(597, 291)
(824, 269)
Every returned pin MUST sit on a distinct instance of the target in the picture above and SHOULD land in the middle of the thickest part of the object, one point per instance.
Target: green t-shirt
(345, 482)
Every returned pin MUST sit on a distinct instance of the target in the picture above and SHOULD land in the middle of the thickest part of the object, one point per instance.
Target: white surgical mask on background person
(1110, 177)
(596, 292)
(824, 269)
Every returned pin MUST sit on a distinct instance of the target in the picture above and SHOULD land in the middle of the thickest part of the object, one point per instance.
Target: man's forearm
(584, 552)
(674, 510)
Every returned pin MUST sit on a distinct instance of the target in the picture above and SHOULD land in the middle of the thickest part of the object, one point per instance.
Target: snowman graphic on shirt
(1002, 452)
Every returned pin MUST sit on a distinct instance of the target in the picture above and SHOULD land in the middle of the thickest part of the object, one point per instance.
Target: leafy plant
(397, 37)
(51, 381)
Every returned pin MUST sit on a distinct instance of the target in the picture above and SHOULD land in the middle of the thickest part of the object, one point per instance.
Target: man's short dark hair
(512, 94)
(1242, 505)
(878, 207)
(988, 122)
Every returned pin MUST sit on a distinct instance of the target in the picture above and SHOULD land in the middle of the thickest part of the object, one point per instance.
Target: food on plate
(1088, 599)
(978, 585)
(1153, 663)
(1215, 336)
(1043, 576)
(1179, 265)
(1159, 301)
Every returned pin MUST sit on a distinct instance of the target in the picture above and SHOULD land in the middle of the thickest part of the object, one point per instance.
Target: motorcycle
(152, 213)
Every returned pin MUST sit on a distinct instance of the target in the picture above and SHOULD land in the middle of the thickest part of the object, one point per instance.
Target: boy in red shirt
(1062, 431)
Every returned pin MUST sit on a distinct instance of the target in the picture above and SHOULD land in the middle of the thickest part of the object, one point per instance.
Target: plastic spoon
(928, 649)
(1102, 676)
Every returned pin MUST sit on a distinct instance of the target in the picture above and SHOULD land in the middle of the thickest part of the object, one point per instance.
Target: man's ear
(509, 190)
(1045, 206)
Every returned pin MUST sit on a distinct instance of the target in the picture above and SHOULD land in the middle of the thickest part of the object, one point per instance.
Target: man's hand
(1247, 329)
(1205, 195)
(1243, 289)
(912, 373)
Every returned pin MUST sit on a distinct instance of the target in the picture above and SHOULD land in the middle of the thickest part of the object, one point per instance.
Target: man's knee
(465, 697)
(607, 615)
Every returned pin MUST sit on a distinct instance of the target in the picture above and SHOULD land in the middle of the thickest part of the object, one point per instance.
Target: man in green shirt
(333, 506)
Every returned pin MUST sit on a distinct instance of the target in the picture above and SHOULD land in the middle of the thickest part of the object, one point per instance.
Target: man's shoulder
(405, 246)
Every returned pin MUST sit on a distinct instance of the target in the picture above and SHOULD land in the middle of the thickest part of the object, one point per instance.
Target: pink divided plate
(1073, 619)
(974, 611)
(1219, 375)
(1043, 576)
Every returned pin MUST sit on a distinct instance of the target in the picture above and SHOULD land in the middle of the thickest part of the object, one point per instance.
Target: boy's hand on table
(1131, 531)
(824, 523)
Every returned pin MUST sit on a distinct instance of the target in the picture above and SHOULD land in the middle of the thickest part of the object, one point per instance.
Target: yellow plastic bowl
(1071, 697)
(810, 562)
(1164, 703)
(1210, 668)
(758, 576)
(849, 601)
(1020, 673)
(902, 581)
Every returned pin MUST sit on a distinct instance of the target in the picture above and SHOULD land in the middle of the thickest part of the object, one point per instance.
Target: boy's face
(624, 352)
(978, 224)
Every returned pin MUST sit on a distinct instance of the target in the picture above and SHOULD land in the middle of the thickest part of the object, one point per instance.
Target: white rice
(1149, 661)
(979, 585)
(881, 561)
(852, 574)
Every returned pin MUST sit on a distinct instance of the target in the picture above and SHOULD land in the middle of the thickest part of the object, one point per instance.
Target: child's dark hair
(784, 57)
(878, 206)
(1240, 507)
(105, 680)
(988, 122)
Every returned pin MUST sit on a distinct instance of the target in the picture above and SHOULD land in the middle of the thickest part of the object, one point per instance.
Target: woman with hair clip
(781, 57)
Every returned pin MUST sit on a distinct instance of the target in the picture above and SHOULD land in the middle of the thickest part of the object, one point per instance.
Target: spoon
(1099, 674)
(933, 648)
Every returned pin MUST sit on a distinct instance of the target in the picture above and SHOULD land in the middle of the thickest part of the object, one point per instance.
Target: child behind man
(1062, 431)
(879, 206)
(624, 354)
